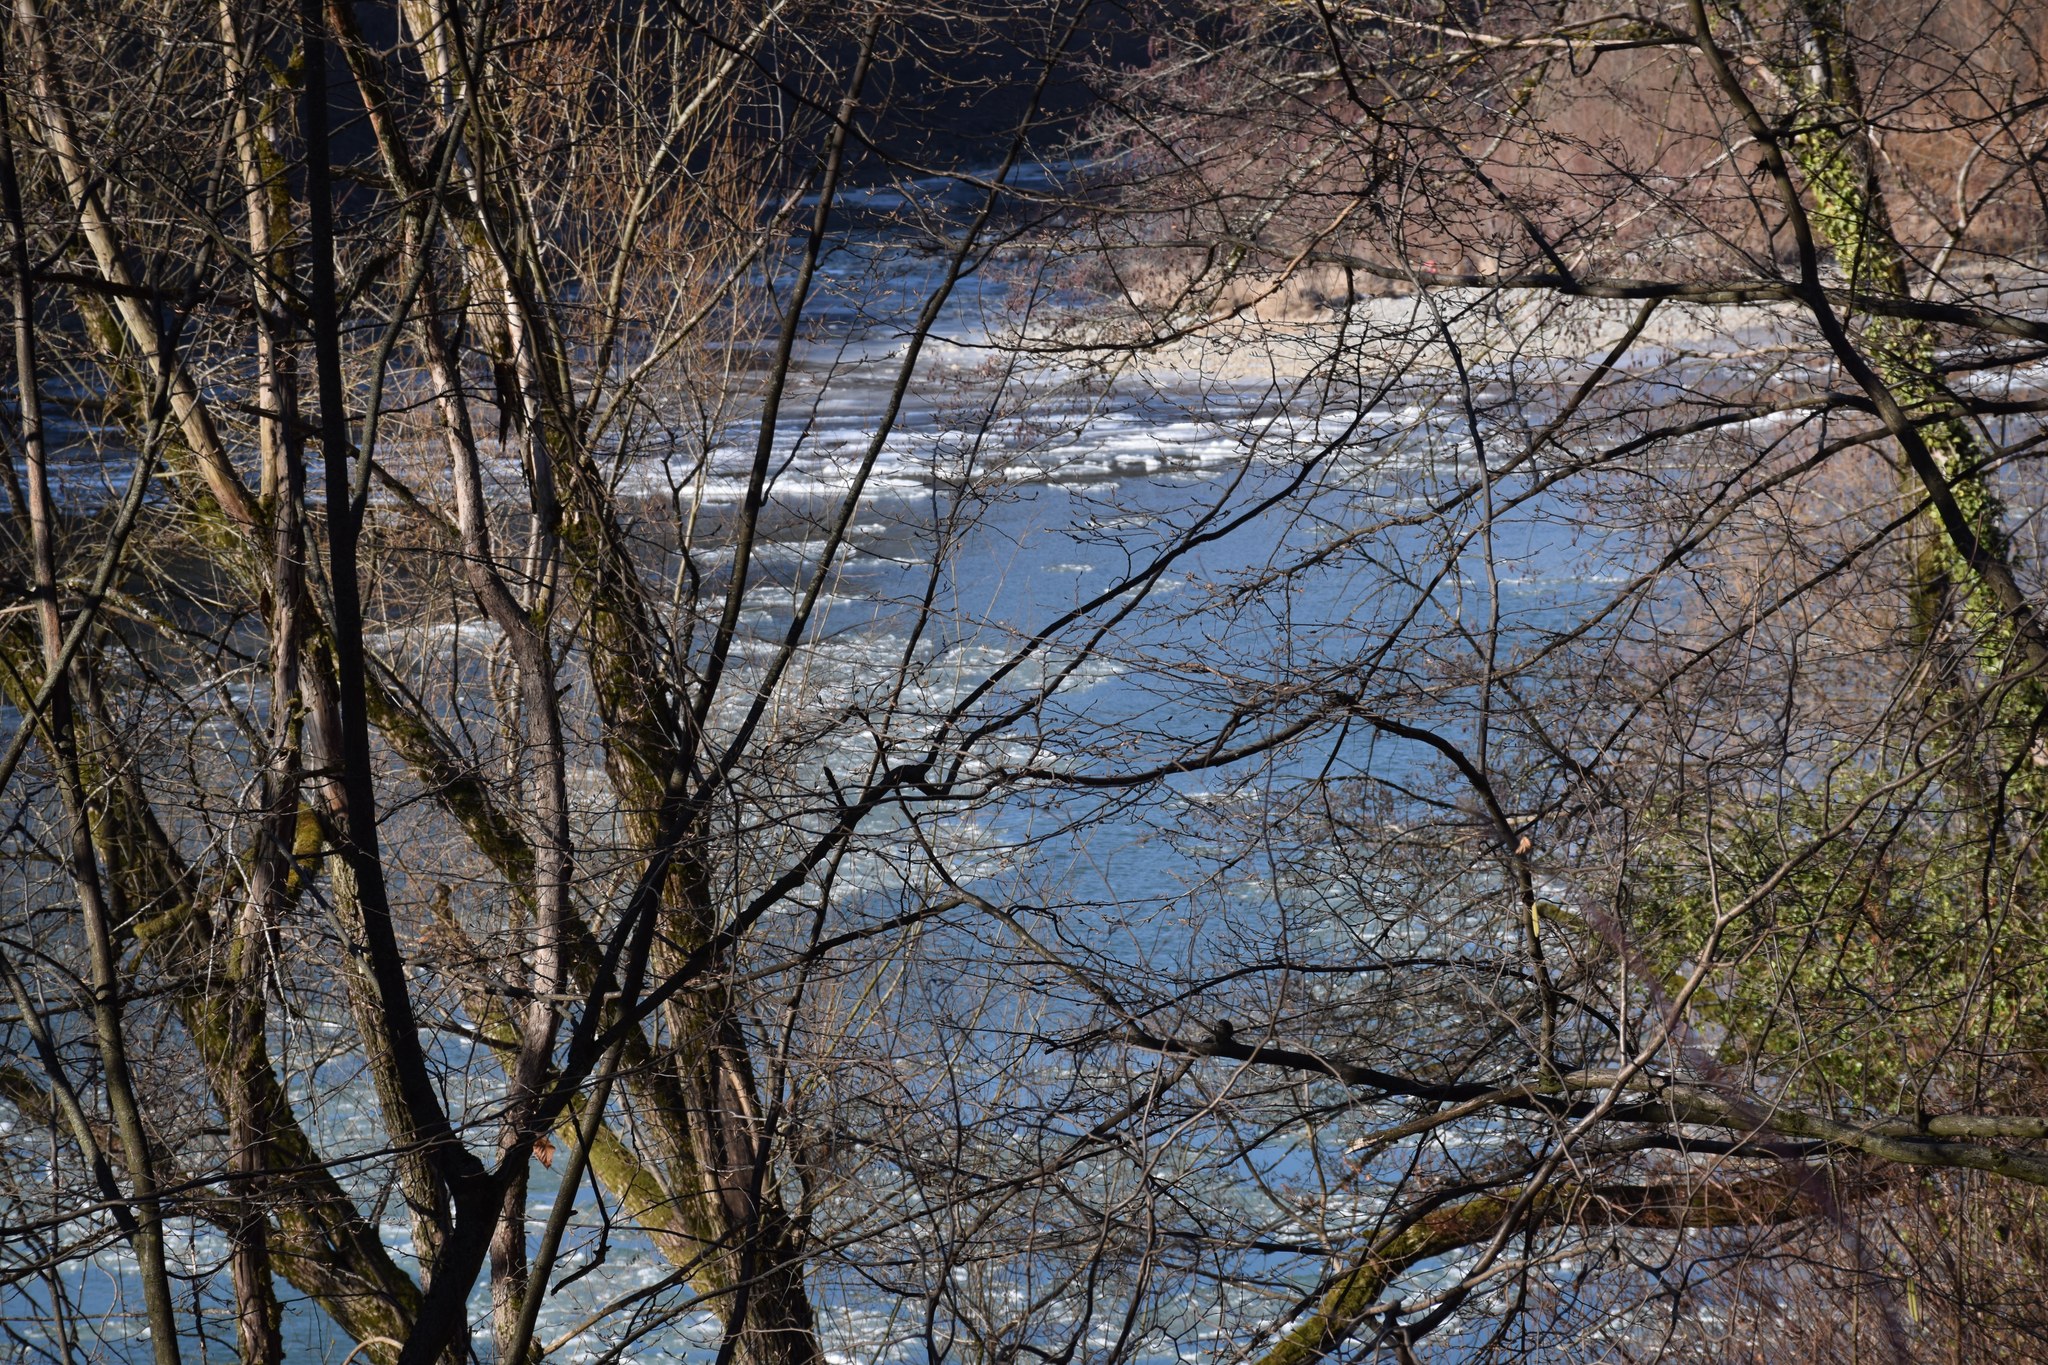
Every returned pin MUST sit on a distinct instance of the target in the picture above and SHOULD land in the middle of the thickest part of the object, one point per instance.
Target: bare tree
(1395, 708)
(1641, 894)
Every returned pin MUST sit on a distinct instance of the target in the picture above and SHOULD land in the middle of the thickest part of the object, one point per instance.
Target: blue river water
(1308, 491)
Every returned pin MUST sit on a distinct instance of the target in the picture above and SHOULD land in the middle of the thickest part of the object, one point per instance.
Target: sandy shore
(1414, 332)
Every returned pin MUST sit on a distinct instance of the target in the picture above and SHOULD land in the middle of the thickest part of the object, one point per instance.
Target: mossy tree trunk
(1841, 167)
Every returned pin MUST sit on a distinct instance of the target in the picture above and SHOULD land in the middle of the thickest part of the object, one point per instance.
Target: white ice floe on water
(932, 448)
